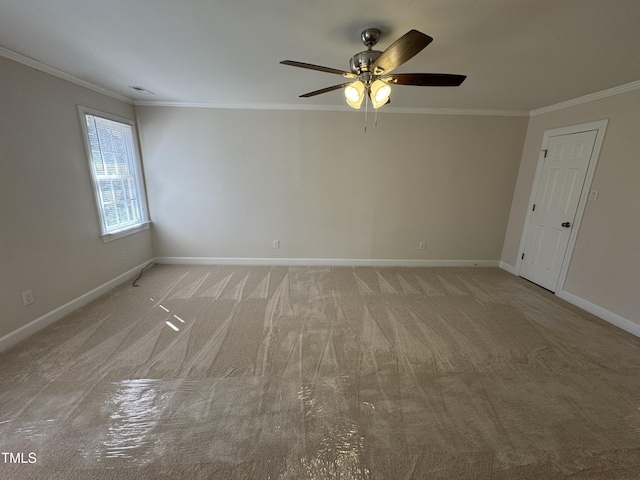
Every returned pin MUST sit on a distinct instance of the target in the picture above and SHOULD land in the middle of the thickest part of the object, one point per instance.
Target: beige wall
(605, 267)
(49, 237)
(226, 183)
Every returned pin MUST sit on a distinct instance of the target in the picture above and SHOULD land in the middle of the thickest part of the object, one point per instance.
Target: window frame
(138, 174)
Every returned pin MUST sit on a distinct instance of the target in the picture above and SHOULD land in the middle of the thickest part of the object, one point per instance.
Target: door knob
(566, 224)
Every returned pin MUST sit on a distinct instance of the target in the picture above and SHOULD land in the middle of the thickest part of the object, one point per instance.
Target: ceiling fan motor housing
(363, 61)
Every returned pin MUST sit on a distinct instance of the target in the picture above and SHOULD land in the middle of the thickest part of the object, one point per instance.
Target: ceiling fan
(371, 70)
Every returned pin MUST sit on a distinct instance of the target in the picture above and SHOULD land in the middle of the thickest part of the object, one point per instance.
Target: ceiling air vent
(142, 90)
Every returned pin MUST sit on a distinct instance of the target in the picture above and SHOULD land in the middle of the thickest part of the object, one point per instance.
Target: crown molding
(627, 87)
(333, 108)
(241, 106)
(30, 62)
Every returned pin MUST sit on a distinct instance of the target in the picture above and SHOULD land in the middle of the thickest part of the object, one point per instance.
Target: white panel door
(555, 206)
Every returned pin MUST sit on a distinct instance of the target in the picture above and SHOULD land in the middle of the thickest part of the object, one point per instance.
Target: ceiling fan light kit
(371, 70)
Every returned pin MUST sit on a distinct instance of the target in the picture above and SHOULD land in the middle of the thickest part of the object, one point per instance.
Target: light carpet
(240, 372)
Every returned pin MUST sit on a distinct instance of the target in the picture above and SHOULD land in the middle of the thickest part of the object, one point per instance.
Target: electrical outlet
(276, 244)
(124, 255)
(422, 246)
(28, 298)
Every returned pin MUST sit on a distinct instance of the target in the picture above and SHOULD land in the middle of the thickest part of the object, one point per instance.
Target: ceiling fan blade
(309, 66)
(325, 90)
(425, 79)
(400, 51)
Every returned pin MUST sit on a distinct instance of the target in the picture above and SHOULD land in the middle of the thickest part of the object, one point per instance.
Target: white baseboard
(509, 268)
(606, 315)
(47, 319)
(358, 262)
(613, 318)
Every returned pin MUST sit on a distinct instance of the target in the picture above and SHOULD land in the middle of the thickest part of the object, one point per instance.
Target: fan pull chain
(375, 121)
(366, 110)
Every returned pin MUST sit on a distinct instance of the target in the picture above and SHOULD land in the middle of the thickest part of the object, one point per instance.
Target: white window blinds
(114, 167)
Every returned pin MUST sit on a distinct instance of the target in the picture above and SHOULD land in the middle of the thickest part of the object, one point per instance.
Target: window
(116, 172)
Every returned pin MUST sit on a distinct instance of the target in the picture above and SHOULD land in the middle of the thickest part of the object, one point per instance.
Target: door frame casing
(600, 126)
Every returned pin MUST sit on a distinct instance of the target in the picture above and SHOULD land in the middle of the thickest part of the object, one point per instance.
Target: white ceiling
(519, 55)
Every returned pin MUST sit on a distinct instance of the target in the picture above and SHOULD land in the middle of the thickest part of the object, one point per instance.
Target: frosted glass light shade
(354, 94)
(380, 92)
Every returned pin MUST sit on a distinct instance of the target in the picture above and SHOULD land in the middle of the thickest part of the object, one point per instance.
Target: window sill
(108, 237)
